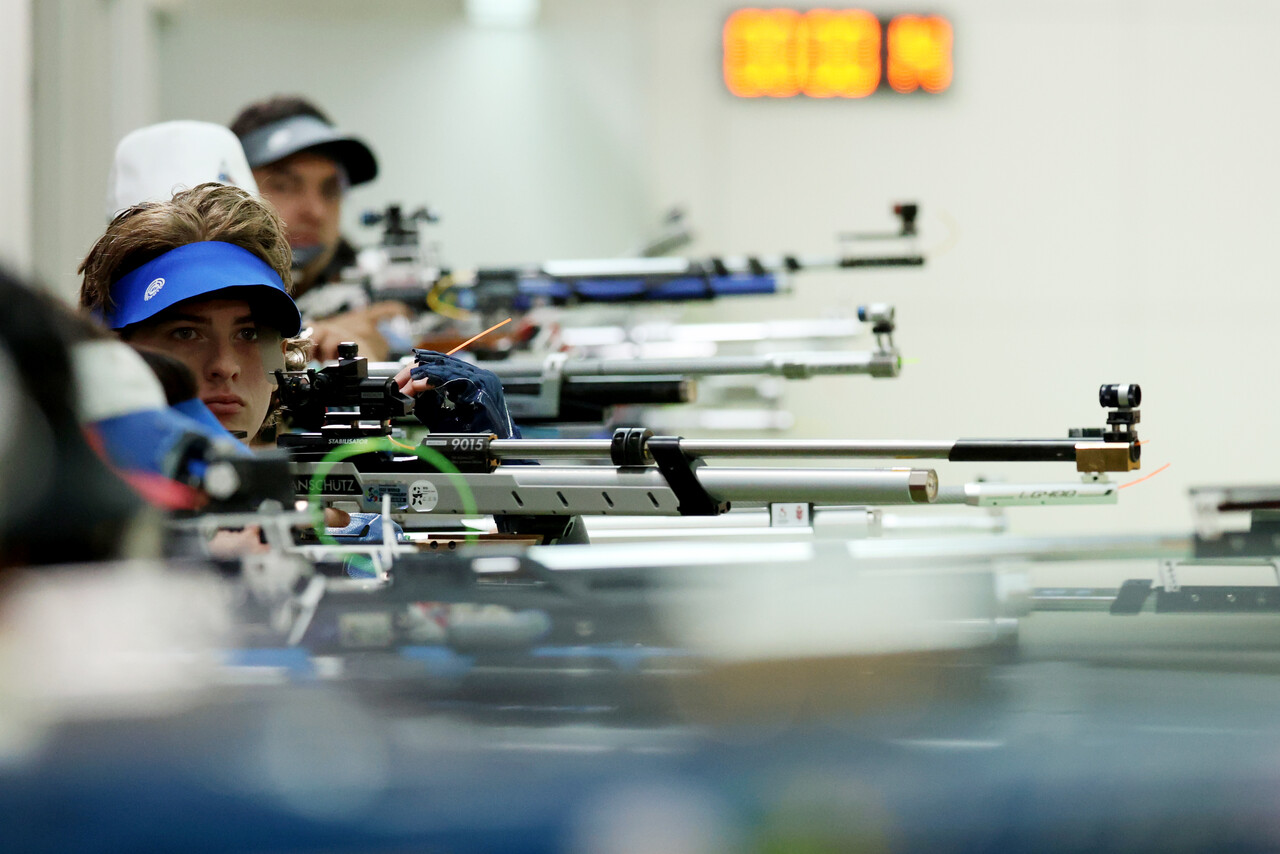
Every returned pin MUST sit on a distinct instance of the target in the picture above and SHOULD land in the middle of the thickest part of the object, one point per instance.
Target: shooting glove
(465, 398)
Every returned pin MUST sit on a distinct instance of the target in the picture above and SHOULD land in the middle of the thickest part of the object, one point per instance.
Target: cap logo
(279, 139)
(153, 289)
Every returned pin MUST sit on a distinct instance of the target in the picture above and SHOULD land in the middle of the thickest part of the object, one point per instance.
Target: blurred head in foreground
(58, 502)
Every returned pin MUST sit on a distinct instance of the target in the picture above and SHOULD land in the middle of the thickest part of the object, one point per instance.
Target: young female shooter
(205, 278)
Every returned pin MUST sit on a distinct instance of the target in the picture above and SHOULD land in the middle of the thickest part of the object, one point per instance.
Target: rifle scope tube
(613, 391)
(790, 365)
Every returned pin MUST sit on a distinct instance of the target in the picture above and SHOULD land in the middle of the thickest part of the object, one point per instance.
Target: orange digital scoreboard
(834, 53)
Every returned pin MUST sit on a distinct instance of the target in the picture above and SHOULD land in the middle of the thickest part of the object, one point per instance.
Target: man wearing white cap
(154, 162)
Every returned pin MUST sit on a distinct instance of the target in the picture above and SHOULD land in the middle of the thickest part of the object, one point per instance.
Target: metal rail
(606, 490)
(788, 365)
(671, 268)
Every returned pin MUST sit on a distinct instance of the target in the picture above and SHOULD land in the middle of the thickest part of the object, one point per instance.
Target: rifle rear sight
(310, 395)
(399, 228)
(1123, 417)
(881, 317)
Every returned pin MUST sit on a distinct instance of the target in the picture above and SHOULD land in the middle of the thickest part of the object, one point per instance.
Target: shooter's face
(306, 189)
(223, 346)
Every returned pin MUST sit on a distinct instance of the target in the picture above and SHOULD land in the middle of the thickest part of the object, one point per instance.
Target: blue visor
(200, 270)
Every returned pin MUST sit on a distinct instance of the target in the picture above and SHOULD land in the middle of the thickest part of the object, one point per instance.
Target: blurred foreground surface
(1099, 733)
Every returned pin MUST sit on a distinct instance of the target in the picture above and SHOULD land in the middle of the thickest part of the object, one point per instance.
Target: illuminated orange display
(838, 53)
(760, 55)
(919, 53)
(833, 53)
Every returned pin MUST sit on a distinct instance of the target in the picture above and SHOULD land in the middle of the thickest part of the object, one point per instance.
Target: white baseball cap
(154, 162)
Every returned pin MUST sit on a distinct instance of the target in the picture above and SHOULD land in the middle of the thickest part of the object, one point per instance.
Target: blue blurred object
(363, 529)
(294, 662)
(1053, 756)
(628, 658)
(657, 290)
(397, 333)
(440, 661)
(152, 440)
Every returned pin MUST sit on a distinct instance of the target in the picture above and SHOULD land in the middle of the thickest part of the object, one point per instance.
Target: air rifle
(558, 388)
(645, 474)
(639, 474)
(552, 388)
(340, 403)
(640, 338)
(408, 276)
(668, 279)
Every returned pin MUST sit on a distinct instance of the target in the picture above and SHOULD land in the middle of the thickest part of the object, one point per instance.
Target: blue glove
(465, 398)
(365, 529)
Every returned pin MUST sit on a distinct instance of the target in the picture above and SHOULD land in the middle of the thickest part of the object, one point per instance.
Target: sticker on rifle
(791, 515)
(399, 495)
(423, 496)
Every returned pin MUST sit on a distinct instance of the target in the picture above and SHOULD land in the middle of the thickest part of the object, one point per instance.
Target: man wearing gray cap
(304, 166)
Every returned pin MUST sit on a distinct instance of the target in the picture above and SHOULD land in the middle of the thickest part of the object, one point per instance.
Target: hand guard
(465, 398)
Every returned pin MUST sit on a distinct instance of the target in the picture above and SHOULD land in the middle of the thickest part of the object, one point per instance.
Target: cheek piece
(271, 351)
(465, 398)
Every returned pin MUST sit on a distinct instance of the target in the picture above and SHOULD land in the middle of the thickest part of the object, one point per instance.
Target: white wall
(514, 136)
(15, 134)
(1098, 186)
(1109, 169)
(95, 80)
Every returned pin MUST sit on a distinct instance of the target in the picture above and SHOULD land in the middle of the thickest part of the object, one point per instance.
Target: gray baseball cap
(278, 140)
